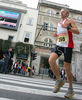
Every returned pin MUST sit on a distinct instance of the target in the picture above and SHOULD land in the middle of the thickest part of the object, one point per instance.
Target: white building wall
(19, 34)
(22, 27)
(28, 28)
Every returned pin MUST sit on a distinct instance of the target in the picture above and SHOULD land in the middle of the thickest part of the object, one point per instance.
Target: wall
(23, 27)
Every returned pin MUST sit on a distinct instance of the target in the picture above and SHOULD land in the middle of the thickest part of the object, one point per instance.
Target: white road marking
(25, 81)
(36, 91)
(1, 98)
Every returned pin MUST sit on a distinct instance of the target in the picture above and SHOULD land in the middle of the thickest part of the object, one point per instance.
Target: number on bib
(62, 39)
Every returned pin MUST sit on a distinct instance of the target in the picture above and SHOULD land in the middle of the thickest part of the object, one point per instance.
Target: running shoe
(58, 84)
(69, 93)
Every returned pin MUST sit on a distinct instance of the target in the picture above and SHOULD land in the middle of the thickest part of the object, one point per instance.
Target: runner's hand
(54, 34)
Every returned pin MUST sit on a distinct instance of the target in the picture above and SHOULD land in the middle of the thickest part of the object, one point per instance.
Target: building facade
(18, 24)
(49, 12)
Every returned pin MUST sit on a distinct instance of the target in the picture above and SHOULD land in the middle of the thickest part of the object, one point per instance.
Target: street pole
(42, 72)
(39, 32)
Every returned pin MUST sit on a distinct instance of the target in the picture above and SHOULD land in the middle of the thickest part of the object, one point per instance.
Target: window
(81, 47)
(78, 19)
(26, 40)
(50, 13)
(27, 37)
(30, 21)
(22, 55)
(50, 26)
(10, 38)
(80, 32)
(47, 41)
(81, 20)
(81, 65)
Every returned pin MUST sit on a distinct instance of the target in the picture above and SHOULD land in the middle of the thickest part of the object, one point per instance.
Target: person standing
(19, 68)
(64, 45)
(14, 67)
(1, 65)
(9, 67)
(63, 73)
(59, 71)
(6, 55)
(33, 68)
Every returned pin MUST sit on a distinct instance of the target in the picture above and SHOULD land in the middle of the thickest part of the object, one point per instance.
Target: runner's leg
(68, 73)
(54, 67)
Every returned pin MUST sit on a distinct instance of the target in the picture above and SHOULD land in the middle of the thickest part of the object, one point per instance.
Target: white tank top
(64, 38)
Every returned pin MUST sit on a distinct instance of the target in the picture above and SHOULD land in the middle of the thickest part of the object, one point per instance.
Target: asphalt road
(6, 94)
(24, 88)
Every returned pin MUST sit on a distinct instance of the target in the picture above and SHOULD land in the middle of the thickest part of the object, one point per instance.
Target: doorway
(44, 65)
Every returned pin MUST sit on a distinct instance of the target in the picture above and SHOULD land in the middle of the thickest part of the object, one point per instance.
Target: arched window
(78, 19)
(80, 30)
(81, 20)
(47, 41)
(50, 13)
(50, 26)
(81, 47)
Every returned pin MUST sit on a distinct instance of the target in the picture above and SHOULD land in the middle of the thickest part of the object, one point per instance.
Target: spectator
(23, 63)
(23, 70)
(6, 55)
(26, 64)
(15, 68)
(33, 70)
(1, 64)
(63, 73)
(29, 70)
(50, 72)
(10, 65)
(19, 68)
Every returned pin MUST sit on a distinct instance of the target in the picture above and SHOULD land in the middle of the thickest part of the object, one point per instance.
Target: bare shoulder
(72, 23)
(71, 20)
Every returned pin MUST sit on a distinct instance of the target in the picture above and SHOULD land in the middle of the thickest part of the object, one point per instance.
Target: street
(14, 87)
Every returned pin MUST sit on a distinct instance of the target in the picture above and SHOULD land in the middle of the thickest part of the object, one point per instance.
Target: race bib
(62, 37)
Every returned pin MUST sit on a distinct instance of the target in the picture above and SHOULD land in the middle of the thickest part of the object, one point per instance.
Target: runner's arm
(74, 28)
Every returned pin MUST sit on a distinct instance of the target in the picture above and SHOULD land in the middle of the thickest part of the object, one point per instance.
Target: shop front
(44, 65)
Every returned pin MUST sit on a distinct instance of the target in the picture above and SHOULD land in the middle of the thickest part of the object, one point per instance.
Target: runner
(64, 45)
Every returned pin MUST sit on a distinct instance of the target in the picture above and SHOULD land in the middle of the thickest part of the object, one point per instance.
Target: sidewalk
(44, 77)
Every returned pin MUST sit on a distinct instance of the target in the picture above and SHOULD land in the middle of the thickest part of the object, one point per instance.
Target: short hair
(66, 9)
(10, 48)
